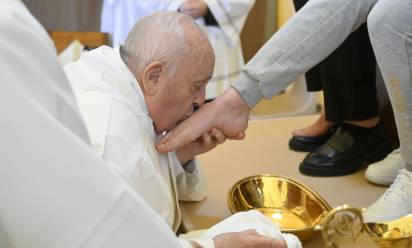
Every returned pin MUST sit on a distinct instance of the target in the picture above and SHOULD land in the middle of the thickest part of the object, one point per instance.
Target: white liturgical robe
(54, 190)
(122, 132)
(119, 16)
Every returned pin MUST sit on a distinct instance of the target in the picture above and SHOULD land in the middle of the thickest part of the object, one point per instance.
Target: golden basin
(395, 233)
(348, 222)
(301, 211)
(294, 206)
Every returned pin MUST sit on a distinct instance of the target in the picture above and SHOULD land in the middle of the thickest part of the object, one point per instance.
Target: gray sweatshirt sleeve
(248, 88)
(309, 37)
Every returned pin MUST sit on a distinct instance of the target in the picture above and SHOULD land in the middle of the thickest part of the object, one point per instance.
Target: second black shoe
(346, 151)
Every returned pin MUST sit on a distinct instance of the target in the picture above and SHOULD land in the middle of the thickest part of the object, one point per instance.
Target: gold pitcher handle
(345, 221)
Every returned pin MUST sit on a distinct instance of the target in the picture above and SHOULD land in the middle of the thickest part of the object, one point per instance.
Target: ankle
(232, 111)
(313, 129)
(326, 125)
(372, 122)
(357, 131)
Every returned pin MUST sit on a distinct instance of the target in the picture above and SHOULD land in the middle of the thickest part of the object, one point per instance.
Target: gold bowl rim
(379, 237)
(328, 208)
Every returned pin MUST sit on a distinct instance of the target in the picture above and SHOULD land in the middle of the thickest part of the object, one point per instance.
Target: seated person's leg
(348, 77)
(390, 32)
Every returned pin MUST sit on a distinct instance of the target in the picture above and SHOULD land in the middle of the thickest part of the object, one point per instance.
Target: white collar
(132, 89)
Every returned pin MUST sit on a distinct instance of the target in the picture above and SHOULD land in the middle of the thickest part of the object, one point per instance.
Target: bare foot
(319, 127)
(228, 113)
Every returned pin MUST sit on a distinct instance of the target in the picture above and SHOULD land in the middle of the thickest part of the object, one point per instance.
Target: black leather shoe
(343, 154)
(308, 144)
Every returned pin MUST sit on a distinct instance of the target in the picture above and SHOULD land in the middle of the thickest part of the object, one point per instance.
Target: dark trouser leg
(313, 76)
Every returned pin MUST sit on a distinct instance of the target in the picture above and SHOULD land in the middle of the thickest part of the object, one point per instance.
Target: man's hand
(203, 144)
(228, 113)
(193, 8)
(247, 239)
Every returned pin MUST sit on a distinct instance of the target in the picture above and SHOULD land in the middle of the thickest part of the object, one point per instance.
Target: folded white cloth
(72, 53)
(252, 220)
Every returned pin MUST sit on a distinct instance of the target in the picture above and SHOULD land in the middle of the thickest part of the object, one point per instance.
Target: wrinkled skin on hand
(203, 144)
(247, 239)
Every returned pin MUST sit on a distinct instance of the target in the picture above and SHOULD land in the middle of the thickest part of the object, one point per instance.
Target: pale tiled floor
(265, 150)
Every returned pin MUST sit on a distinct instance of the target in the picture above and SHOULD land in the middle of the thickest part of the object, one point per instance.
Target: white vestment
(54, 190)
(119, 16)
(122, 132)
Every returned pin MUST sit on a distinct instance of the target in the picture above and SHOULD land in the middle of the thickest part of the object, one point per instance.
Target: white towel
(252, 220)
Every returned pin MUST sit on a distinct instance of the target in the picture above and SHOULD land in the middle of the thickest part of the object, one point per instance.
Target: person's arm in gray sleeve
(248, 89)
(305, 40)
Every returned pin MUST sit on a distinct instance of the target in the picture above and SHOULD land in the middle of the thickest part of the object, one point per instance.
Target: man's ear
(150, 80)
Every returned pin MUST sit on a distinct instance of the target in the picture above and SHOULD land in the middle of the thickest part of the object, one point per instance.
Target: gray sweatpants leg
(390, 30)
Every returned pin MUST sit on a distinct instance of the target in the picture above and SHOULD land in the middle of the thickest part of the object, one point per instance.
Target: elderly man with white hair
(324, 25)
(130, 95)
(221, 20)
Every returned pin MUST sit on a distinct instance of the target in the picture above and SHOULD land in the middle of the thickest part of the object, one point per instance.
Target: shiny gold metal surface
(301, 211)
(348, 222)
(294, 206)
(344, 221)
(397, 233)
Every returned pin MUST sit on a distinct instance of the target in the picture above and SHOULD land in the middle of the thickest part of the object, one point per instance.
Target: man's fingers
(273, 243)
(218, 136)
(266, 242)
(263, 241)
(207, 140)
(188, 130)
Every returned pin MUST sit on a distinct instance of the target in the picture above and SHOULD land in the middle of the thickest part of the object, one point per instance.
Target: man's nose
(200, 98)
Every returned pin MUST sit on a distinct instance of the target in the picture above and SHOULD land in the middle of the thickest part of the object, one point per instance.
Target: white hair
(157, 37)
